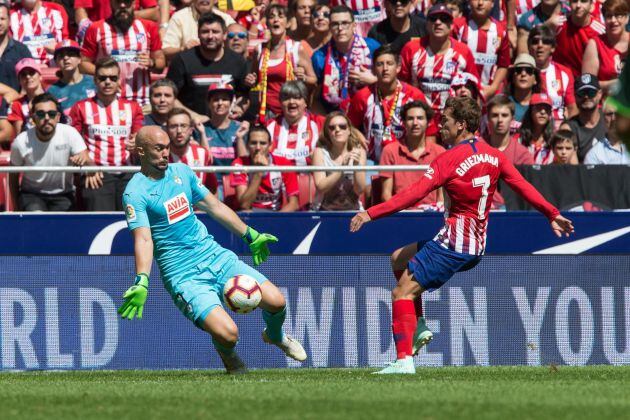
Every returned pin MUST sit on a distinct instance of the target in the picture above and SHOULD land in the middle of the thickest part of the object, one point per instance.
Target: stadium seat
(307, 191)
(5, 194)
(229, 193)
(377, 190)
(48, 76)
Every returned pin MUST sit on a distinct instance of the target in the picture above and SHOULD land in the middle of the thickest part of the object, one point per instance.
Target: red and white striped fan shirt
(368, 115)
(557, 82)
(296, 142)
(194, 156)
(524, 6)
(571, 42)
(38, 28)
(490, 47)
(20, 111)
(106, 129)
(365, 11)
(433, 73)
(103, 39)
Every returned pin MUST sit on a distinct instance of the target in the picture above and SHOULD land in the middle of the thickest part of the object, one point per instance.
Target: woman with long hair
(524, 82)
(338, 145)
(537, 129)
(320, 27)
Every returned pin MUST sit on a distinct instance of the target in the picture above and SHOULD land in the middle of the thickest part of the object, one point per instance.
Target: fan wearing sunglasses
(237, 39)
(320, 28)
(400, 26)
(524, 81)
(48, 143)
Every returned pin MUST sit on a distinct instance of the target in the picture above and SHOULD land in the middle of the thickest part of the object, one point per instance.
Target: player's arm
(136, 296)
(515, 180)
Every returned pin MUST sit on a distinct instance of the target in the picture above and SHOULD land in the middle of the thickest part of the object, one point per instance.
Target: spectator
(564, 147)
(108, 125)
(431, 63)
(611, 150)
(549, 12)
(366, 14)
(162, 94)
(72, 86)
(537, 129)
(604, 55)
(89, 11)
(466, 85)
(300, 27)
(278, 61)
(557, 80)
(338, 145)
(375, 110)
(343, 65)
(30, 77)
(237, 39)
(573, 35)
(39, 27)
(133, 43)
(264, 190)
(49, 143)
(11, 51)
(179, 128)
(6, 129)
(295, 132)
(400, 26)
(455, 6)
(525, 81)
(589, 125)
(500, 115)
(209, 63)
(254, 21)
(412, 149)
(320, 28)
(183, 28)
(489, 43)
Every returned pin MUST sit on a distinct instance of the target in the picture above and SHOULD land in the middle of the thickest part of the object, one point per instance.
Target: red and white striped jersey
(571, 42)
(557, 82)
(106, 129)
(365, 11)
(38, 28)
(296, 142)
(490, 47)
(194, 156)
(369, 114)
(103, 39)
(433, 73)
(524, 6)
(469, 174)
(423, 6)
(20, 111)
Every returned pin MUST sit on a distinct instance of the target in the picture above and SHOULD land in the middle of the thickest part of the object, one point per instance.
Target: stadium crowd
(259, 82)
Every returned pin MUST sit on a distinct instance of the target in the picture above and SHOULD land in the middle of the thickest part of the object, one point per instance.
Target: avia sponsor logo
(177, 208)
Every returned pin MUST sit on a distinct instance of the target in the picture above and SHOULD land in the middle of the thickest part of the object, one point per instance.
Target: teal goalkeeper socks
(274, 324)
(223, 349)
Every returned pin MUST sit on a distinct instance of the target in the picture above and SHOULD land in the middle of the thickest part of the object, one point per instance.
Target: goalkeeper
(158, 205)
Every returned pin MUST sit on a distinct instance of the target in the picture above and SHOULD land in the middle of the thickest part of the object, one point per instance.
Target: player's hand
(359, 220)
(258, 244)
(561, 225)
(135, 297)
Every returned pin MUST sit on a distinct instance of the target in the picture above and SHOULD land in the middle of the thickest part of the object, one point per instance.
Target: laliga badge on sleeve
(130, 212)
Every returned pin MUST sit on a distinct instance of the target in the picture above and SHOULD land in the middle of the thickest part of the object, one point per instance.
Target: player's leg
(399, 260)
(224, 334)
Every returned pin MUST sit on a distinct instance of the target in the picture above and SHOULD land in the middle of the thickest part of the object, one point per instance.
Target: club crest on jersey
(177, 208)
(130, 212)
(554, 84)
(450, 67)
(140, 37)
(177, 180)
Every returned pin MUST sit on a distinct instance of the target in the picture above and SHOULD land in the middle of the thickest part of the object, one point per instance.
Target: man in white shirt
(48, 143)
(610, 150)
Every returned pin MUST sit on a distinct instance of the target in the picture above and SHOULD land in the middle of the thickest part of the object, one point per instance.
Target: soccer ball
(242, 293)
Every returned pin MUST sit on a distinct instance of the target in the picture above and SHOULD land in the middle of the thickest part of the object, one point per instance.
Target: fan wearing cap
(557, 80)
(524, 81)
(589, 125)
(39, 27)
(30, 77)
(537, 129)
(72, 86)
(431, 63)
(488, 41)
(466, 84)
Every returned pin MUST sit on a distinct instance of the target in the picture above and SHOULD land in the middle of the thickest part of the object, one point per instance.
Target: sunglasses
(442, 18)
(40, 115)
(586, 93)
(529, 70)
(333, 127)
(102, 78)
(241, 35)
(536, 41)
(318, 14)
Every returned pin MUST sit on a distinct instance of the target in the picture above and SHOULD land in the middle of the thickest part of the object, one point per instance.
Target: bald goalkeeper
(158, 204)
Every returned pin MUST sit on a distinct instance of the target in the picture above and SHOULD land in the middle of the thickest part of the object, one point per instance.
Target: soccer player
(158, 205)
(469, 172)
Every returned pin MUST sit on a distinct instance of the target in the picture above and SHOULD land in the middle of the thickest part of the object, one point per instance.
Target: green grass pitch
(594, 392)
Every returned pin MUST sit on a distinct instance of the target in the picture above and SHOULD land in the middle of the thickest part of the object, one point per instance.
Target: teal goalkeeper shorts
(200, 290)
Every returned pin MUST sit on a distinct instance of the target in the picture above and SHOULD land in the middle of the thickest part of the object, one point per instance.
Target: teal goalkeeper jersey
(180, 240)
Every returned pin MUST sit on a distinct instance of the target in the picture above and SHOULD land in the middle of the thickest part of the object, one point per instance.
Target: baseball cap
(540, 99)
(585, 82)
(67, 44)
(27, 63)
(439, 9)
(524, 60)
(220, 87)
(461, 79)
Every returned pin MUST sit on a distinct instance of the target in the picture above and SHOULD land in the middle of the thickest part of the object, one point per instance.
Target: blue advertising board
(59, 312)
(319, 233)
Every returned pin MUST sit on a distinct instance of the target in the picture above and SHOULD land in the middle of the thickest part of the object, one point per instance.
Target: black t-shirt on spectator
(4, 110)
(14, 52)
(587, 137)
(385, 34)
(192, 74)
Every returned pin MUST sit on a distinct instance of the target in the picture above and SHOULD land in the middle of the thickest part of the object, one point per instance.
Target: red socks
(404, 324)
(417, 303)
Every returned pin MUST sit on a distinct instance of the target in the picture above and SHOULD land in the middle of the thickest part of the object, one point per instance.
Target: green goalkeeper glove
(258, 244)
(135, 297)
